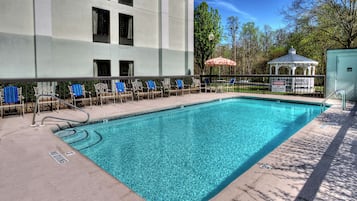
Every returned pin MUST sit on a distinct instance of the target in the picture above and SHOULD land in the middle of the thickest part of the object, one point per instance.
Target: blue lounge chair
(152, 89)
(11, 96)
(230, 84)
(209, 87)
(122, 93)
(180, 85)
(79, 94)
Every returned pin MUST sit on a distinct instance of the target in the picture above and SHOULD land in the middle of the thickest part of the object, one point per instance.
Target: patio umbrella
(220, 61)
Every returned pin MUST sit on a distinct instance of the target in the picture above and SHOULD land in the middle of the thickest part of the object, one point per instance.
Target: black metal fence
(300, 85)
(264, 84)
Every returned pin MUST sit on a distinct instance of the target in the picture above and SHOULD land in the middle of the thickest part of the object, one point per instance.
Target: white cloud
(231, 8)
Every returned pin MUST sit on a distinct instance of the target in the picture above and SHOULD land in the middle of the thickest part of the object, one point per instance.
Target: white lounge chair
(48, 89)
(103, 93)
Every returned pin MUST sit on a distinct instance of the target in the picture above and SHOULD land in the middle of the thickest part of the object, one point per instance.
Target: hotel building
(90, 38)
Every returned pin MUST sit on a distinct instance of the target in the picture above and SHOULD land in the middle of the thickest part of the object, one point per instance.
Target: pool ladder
(340, 92)
(58, 118)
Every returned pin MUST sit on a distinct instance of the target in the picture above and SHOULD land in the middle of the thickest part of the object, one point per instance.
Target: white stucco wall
(16, 17)
(63, 40)
(177, 25)
(72, 20)
(146, 19)
(16, 39)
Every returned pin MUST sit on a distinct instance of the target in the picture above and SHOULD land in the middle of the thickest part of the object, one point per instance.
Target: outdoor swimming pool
(193, 152)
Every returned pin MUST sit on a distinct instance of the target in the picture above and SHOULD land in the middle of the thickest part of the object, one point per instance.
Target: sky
(261, 12)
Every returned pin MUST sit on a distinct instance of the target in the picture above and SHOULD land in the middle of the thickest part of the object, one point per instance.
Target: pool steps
(80, 139)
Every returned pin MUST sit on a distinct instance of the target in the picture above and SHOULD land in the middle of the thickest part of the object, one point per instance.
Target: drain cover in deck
(58, 157)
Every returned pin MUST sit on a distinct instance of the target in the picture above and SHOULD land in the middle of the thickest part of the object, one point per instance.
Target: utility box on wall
(341, 72)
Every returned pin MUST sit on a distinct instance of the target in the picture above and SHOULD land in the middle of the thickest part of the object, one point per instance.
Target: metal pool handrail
(341, 92)
(58, 118)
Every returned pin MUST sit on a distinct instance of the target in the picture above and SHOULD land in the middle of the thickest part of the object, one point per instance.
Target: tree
(280, 37)
(232, 26)
(266, 39)
(207, 33)
(299, 13)
(336, 19)
(250, 45)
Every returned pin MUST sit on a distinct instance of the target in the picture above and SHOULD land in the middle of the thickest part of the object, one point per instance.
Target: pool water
(193, 152)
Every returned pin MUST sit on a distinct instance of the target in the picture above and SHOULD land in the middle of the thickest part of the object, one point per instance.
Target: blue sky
(260, 12)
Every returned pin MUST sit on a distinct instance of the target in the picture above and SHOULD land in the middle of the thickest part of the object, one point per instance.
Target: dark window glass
(101, 25)
(126, 68)
(126, 2)
(102, 67)
(126, 29)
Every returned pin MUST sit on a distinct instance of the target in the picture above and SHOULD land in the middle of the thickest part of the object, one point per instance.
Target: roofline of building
(294, 62)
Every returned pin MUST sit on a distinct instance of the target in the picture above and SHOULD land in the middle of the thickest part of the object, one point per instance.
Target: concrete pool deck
(317, 163)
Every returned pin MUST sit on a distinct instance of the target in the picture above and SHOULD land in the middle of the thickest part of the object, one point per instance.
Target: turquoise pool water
(189, 153)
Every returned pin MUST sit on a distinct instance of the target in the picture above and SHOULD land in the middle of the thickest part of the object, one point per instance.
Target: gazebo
(292, 61)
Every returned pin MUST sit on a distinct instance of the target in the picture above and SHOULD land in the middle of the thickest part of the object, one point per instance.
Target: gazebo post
(270, 69)
(293, 68)
(277, 69)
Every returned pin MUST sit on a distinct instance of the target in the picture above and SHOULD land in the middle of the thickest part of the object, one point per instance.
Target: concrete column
(43, 17)
(164, 24)
(189, 12)
(164, 35)
(43, 35)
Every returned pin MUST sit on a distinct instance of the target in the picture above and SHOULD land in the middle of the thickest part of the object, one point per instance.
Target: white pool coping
(28, 172)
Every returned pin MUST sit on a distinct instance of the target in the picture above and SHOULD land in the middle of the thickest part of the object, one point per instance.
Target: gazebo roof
(293, 58)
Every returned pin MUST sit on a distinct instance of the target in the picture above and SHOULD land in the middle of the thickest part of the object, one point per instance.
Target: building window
(126, 2)
(126, 68)
(101, 25)
(126, 30)
(101, 68)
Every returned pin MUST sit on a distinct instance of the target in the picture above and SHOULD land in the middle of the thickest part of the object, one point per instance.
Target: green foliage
(313, 27)
(266, 39)
(232, 26)
(334, 21)
(277, 51)
(62, 89)
(337, 19)
(207, 33)
(250, 46)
